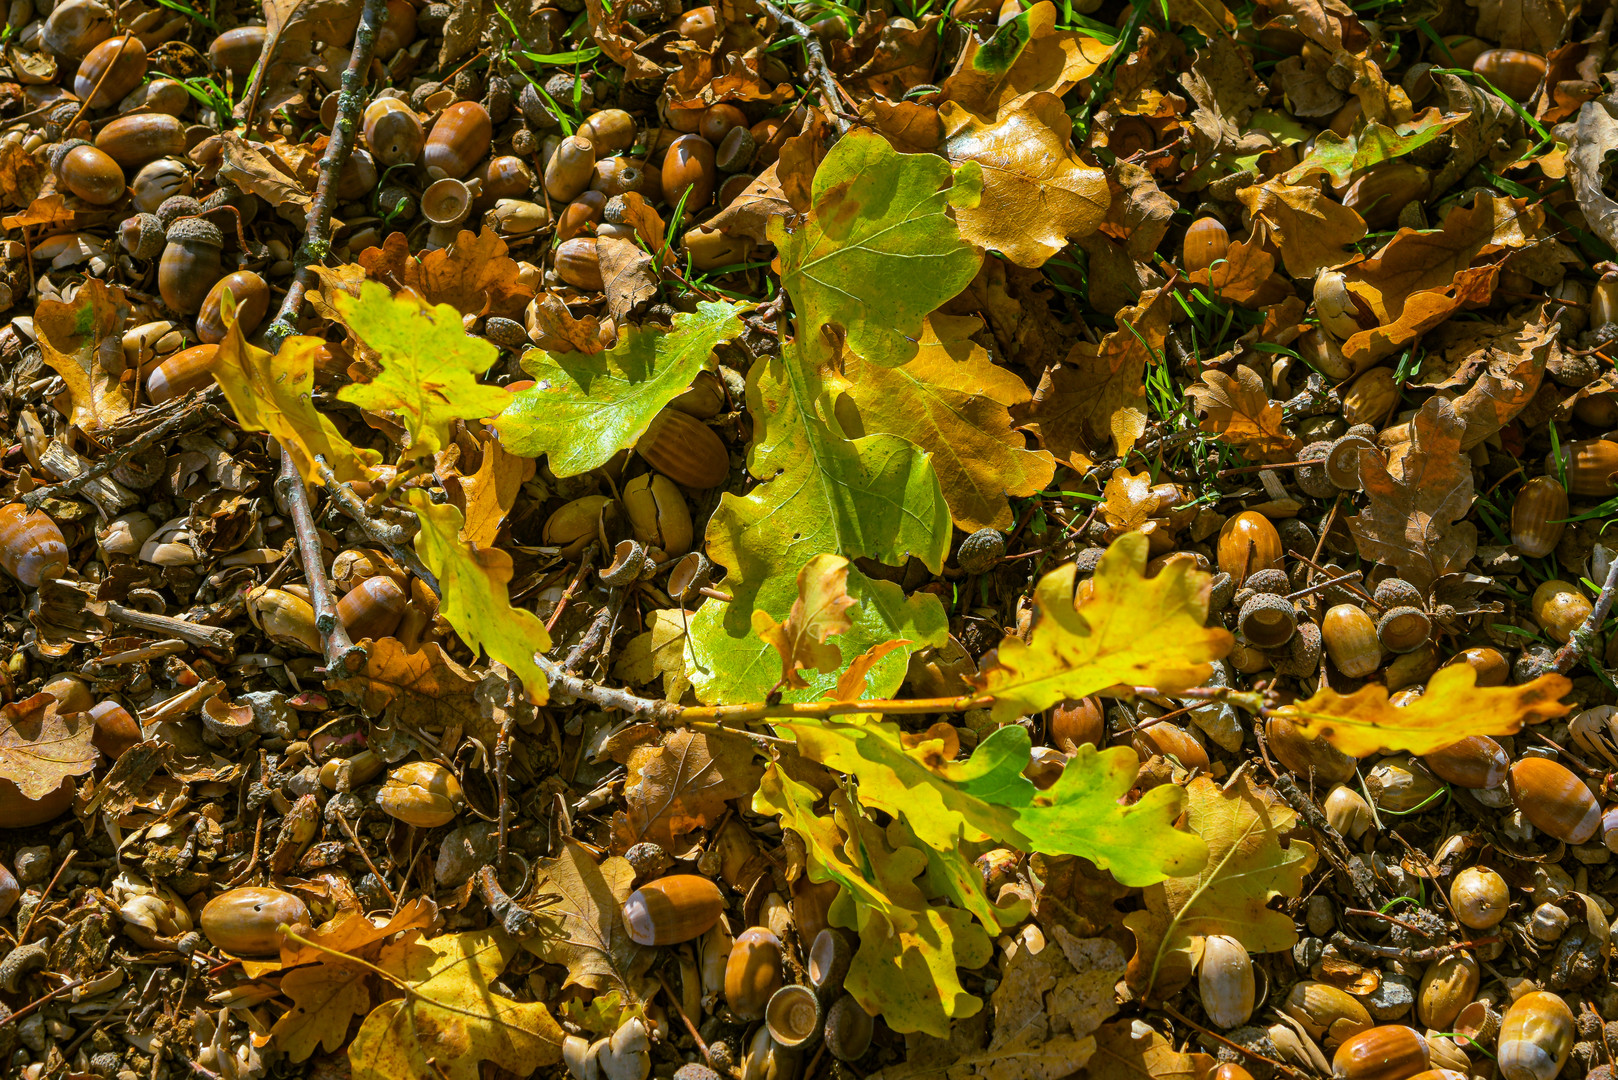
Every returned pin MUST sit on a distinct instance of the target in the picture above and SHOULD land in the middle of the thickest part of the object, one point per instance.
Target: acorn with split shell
(1559, 607)
(1553, 799)
(421, 793)
(673, 909)
(1325, 1011)
(1480, 897)
(157, 182)
(32, 548)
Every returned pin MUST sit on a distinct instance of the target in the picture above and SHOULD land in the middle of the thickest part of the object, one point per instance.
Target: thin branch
(342, 655)
(817, 61)
(1586, 639)
(198, 409)
(395, 538)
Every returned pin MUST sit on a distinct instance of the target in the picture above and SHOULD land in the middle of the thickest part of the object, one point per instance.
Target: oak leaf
(1312, 230)
(1414, 522)
(1037, 193)
(1241, 413)
(82, 341)
(819, 612)
(487, 496)
(1341, 156)
(1245, 276)
(1500, 366)
(1451, 709)
(585, 408)
(1128, 502)
(953, 402)
(659, 652)
(1025, 55)
(474, 274)
(40, 749)
(1130, 1050)
(1247, 868)
(1132, 629)
(1535, 25)
(451, 1020)
(1097, 395)
(474, 598)
(325, 999)
(422, 689)
(582, 926)
(683, 785)
(554, 329)
(628, 274)
(429, 364)
(351, 931)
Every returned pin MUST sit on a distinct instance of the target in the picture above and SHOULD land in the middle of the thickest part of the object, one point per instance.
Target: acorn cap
(175, 207)
(1404, 629)
(1312, 478)
(59, 152)
(1301, 658)
(828, 959)
(195, 230)
(793, 1015)
(848, 1029)
(142, 236)
(695, 1070)
(1397, 592)
(1267, 621)
(1268, 581)
(1343, 462)
(982, 551)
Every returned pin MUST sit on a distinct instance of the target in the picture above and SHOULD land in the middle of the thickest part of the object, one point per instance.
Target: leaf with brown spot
(1312, 230)
(1240, 412)
(423, 689)
(683, 785)
(1414, 522)
(1037, 193)
(1098, 396)
(83, 342)
(583, 928)
(40, 749)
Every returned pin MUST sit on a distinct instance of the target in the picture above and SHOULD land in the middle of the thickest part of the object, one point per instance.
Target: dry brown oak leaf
(1500, 366)
(1239, 411)
(1414, 522)
(40, 749)
(582, 925)
(681, 786)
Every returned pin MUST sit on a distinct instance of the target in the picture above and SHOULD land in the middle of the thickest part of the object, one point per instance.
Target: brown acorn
(398, 28)
(610, 131)
(1514, 72)
(1480, 897)
(1490, 668)
(179, 374)
(159, 181)
(1371, 397)
(1388, 1052)
(93, 176)
(252, 297)
(700, 24)
(115, 730)
(1076, 723)
(1351, 641)
(191, 264)
(669, 910)
(685, 450)
(1476, 761)
(117, 65)
(578, 264)
(1536, 1037)
(1553, 799)
(570, 168)
(134, 140)
(1378, 194)
(580, 214)
(458, 141)
(18, 811)
(753, 972)
(618, 175)
(236, 51)
(1248, 543)
(394, 132)
(74, 27)
(688, 172)
(246, 921)
(711, 249)
(373, 608)
(1206, 241)
(1171, 741)
(1538, 516)
(31, 546)
(1591, 467)
(504, 176)
(1559, 607)
(1307, 755)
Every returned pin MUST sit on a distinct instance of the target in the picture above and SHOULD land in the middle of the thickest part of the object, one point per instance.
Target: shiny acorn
(93, 176)
(673, 909)
(685, 450)
(1516, 73)
(252, 296)
(658, 514)
(459, 140)
(421, 793)
(753, 972)
(1206, 241)
(1476, 762)
(180, 373)
(246, 921)
(393, 132)
(1351, 640)
(285, 617)
(32, 547)
(1480, 897)
(191, 264)
(1248, 542)
(1559, 607)
(116, 66)
(1225, 981)
(1325, 1011)
(1387, 1052)
(1539, 516)
(1591, 467)
(1553, 799)
(1307, 755)
(1536, 1037)
(373, 608)
(134, 140)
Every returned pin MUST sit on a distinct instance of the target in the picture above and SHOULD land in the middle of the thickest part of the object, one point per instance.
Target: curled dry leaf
(40, 748)
(683, 785)
(819, 612)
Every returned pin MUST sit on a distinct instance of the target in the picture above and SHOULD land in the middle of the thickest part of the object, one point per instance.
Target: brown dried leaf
(681, 786)
(1098, 394)
(1037, 193)
(553, 328)
(40, 749)
(1414, 522)
(1534, 25)
(1311, 229)
(628, 274)
(423, 689)
(819, 612)
(750, 212)
(243, 164)
(1026, 55)
(1130, 1050)
(473, 274)
(22, 175)
(83, 342)
(584, 929)
(1245, 276)
(1502, 367)
(606, 25)
(48, 210)
(1240, 412)
(291, 25)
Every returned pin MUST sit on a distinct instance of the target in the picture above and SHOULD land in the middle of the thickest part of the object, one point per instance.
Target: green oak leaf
(987, 797)
(878, 251)
(1340, 157)
(584, 409)
(429, 364)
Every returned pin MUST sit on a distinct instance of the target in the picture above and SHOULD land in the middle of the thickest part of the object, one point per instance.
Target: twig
(342, 655)
(317, 236)
(1279, 1066)
(595, 636)
(1584, 640)
(40, 904)
(359, 847)
(817, 61)
(32, 1005)
(1352, 575)
(208, 637)
(586, 561)
(395, 538)
(170, 425)
(1414, 956)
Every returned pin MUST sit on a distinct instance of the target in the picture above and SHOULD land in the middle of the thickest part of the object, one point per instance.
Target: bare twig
(395, 538)
(342, 655)
(210, 637)
(817, 61)
(1585, 640)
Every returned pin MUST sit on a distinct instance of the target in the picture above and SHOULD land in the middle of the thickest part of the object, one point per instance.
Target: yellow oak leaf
(325, 997)
(1131, 629)
(1247, 868)
(1037, 192)
(83, 342)
(451, 1020)
(272, 394)
(473, 595)
(1452, 708)
(820, 611)
(488, 495)
(1312, 229)
(1024, 55)
(583, 929)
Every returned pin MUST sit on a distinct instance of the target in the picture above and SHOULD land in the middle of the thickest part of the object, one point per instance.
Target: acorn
(178, 375)
(573, 525)
(618, 176)
(1404, 629)
(1559, 607)
(570, 168)
(157, 182)
(700, 24)
(1267, 621)
(1400, 785)
(132, 141)
(393, 132)
(1488, 665)
(1076, 723)
(705, 398)
(115, 730)
(71, 692)
(793, 1016)
(1351, 640)
(284, 617)
(93, 176)
(610, 131)
(673, 909)
(504, 176)
(191, 264)
(18, 811)
(1480, 897)
(247, 921)
(684, 449)
(158, 95)
(373, 608)
(719, 120)
(1248, 542)
(236, 51)
(1516, 73)
(658, 514)
(1591, 467)
(1171, 741)
(736, 151)
(142, 236)
(252, 297)
(1448, 985)
(578, 264)
(1325, 1011)
(1536, 1037)
(688, 173)
(514, 217)
(1371, 397)
(753, 972)
(1206, 241)
(584, 211)
(117, 64)
(421, 793)
(1225, 981)
(1307, 755)
(458, 141)
(32, 548)
(358, 177)
(848, 1029)
(711, 249)
(1335, 306)
(1554, 801)
(398, 28)
(1476, 762)
(982, 551)
(1388, 1052)
(1348, 812)
(1538, 516)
